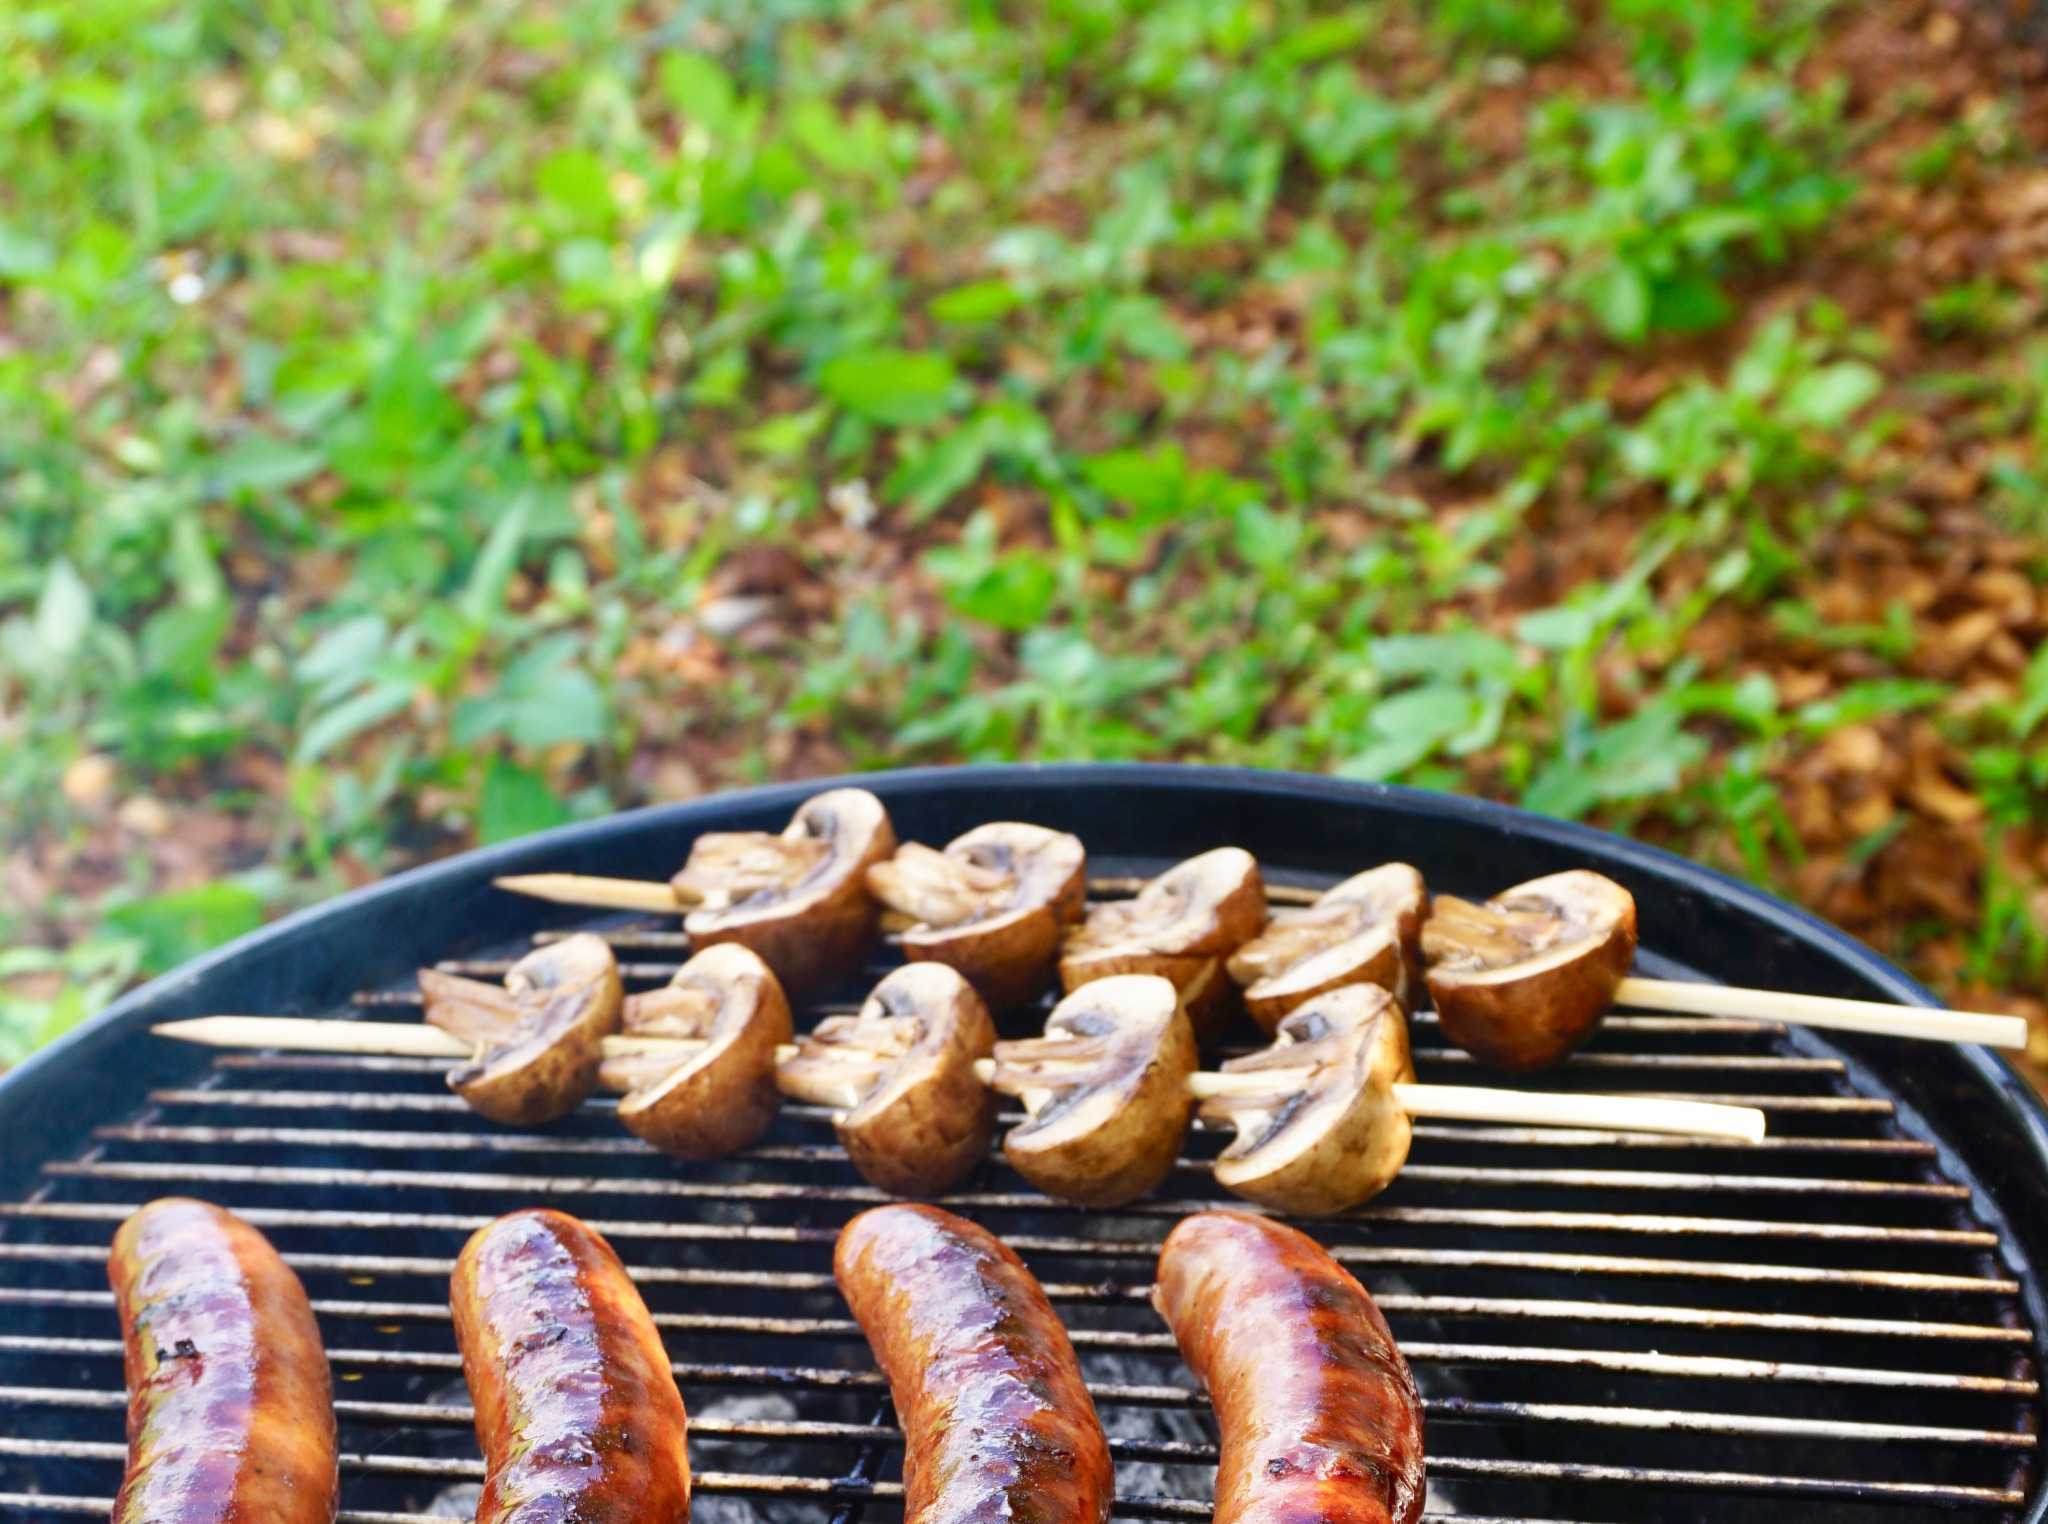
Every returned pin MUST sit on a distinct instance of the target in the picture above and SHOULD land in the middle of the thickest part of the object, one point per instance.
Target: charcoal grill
(1843, 1324)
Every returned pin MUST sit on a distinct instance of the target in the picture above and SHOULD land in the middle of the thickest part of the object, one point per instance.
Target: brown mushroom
(1318, 1127)
(799, 899)
(992, 905)
(719, 1097)
(911, 1112)
(538, 1035)
(1105, 1091)
(1523, 979)
(1181, 926)
(1366, 930)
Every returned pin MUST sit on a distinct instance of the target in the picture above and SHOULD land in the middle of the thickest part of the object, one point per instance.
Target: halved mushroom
(912, 1114)
(1181, 926)
(992, 905)
(1523, 979)
(717, 1098)
(1366, 930)
(1106, 1091)
(1318, 1129)
(538, 1035)
(799, 899)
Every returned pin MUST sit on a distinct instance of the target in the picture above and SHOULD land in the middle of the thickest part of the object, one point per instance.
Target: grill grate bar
(1631, 1362)
(1448, 1409)
(1512, 1308)
(461, 1469)
(1684, 1063)
(50, 1502)
(1922, 1493)
(588, 1185)
(1570, 1264)
(476, 1142)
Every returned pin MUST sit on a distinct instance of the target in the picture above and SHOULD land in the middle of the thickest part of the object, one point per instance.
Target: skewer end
(1747, 1124)
(600, 893)
(2010, 1033)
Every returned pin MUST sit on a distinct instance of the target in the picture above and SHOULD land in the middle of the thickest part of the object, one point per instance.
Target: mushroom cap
(1326, 1140)
(1181, 926)
(992, 905)
(1366, 930)
(723, 1096)
(799, 898)
(1525, 978)
(1106, 1089)
(915, 1117)
(538, 1037)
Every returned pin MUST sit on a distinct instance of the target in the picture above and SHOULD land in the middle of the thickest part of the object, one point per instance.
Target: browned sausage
(997, 1426)
(576, 1408)
(230, 1406)
(1317, 1410)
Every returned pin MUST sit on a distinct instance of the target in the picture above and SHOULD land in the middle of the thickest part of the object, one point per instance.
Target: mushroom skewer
(1465, 1103)
(1289, 941)
(1322, 1115)
(1522, 979)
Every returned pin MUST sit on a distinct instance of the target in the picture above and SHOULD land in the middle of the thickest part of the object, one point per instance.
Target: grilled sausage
(996, 1423)
(1317, 1410)
(576, 1408)
(230, 1405)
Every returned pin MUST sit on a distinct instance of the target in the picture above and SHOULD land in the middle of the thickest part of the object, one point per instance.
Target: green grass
(386, 394)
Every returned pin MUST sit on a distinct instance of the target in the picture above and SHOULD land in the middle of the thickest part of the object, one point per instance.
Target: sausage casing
(1317, 1411)
(576, 1408)
(230, 1404)
(998, 1427)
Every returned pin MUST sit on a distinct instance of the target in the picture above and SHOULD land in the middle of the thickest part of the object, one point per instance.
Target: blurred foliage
(385, 392)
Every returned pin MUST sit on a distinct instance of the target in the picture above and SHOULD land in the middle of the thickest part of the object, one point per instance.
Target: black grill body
(1844, 1324)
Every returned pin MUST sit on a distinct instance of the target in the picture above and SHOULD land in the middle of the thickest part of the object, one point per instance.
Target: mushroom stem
(1824, 1011)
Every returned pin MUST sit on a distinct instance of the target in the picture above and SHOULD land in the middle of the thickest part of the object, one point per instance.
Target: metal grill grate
(1605, 1327)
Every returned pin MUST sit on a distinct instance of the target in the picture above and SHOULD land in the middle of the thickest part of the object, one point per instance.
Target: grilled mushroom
(1318, 1129)
(1523, 979)
(992, 905)
(1180, 926)
(1106, 1090)
(723, 1095)
(537, 1035)
(1366, 930)
(912, 1114)
(799, 899)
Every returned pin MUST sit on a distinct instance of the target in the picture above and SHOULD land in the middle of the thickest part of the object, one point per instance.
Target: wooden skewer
(601, 893)
(1824, 1011)
(1617, 1113)
(391, 1039)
